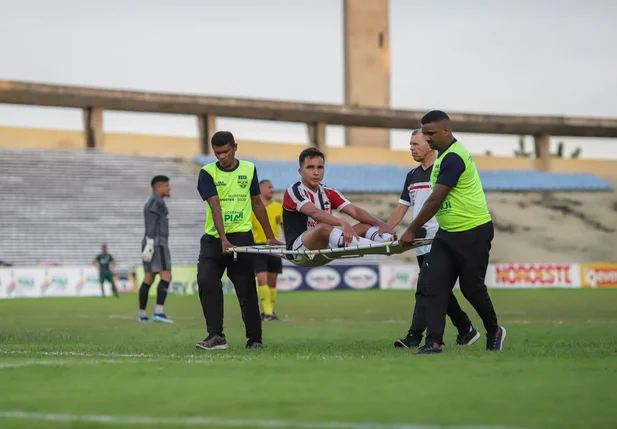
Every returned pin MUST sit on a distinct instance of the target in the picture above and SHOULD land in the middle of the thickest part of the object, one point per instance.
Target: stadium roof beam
(80, 97)
(314, 115)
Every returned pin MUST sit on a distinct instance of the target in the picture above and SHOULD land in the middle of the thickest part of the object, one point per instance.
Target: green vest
(233, 188)
(465, 206)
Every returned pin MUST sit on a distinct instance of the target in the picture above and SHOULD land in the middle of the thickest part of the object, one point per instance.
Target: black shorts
(267, 264)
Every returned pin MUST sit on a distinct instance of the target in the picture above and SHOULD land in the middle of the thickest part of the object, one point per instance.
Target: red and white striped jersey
(416, 191)
(297, 195)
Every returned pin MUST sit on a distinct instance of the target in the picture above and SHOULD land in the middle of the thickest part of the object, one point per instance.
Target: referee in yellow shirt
(267, 267)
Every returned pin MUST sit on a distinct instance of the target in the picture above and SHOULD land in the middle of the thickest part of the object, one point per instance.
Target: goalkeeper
(155, 250)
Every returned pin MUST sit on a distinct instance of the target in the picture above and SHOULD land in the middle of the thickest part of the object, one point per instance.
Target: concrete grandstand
(60, 205)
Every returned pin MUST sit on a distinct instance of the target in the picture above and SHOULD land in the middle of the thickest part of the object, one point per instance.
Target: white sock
(159, 309)
(360, 241)
(336, 238)
(142, 313)
(373, 234)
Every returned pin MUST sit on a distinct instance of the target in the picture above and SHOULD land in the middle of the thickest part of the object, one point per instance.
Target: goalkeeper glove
(148, 251)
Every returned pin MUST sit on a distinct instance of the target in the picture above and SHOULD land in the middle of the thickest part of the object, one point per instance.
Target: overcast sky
(523, 57)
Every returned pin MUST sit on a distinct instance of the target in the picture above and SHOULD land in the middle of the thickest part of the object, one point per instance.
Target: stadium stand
(59, 206)
(364, 178)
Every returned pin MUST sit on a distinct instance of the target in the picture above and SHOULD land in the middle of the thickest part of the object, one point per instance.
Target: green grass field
(329, 363)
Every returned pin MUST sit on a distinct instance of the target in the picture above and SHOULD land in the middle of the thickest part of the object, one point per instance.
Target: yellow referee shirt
(275, 216)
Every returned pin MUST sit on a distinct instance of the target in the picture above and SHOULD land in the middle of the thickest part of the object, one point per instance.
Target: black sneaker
(429, 349)
(213, 342)
(494, 342)
(250, 344)
(408, 342)
(267, 318)
(274, 316)
(469, 338)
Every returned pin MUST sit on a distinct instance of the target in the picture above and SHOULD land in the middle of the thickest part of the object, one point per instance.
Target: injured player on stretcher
(307, 218)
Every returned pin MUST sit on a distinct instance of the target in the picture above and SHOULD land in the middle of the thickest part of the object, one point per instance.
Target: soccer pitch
(329, 363)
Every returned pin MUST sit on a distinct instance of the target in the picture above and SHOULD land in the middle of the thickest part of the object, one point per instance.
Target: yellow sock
(272, 297)
(264, 297)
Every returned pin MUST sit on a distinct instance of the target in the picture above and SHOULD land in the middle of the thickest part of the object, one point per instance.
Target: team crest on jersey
(243, 181)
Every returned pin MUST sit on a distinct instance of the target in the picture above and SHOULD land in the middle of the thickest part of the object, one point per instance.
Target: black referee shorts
(267, 264)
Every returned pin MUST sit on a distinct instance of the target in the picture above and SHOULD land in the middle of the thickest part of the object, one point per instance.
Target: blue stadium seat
(389, 178)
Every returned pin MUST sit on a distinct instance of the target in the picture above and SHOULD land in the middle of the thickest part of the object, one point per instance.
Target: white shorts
(298, 245)
(304, 260)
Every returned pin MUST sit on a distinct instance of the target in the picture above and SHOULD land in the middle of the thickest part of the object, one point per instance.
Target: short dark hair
(310, 152)
(221, 138)
(157, 179)
(434, 116)
(261, 182)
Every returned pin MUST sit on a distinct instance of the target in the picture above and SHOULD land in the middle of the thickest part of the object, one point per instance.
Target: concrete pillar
(207, 128)
(542, 143)
(317, 135)
(367, 65)
(93, 127)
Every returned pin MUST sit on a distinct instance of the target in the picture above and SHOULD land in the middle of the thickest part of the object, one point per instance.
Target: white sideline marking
(5, 365)
(202, 358)
(83, 354)
(205, 421)
(122, 316)
(127, 317)
(22, 364)
(111, 316)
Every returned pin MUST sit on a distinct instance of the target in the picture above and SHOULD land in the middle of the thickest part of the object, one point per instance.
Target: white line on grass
(205, 421)
(202, 358)
(82, 354)
(128, 317)
(22, 364)
(205, 358)
(7, 365)
(103, 316)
